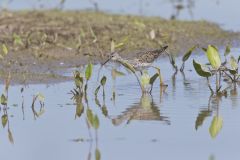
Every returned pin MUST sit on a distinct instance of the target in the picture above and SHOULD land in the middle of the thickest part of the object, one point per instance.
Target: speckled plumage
(143, 61)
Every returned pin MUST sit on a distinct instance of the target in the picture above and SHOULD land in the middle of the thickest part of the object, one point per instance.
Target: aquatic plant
(88, 74)
(173, 62)
(102, 84)
(217, 69)
(81, 83)
(186, 57)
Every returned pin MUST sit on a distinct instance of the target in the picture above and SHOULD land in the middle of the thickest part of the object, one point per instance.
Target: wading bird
(141, 62)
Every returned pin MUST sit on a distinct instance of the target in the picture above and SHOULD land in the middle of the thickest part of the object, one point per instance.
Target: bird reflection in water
(145, 110)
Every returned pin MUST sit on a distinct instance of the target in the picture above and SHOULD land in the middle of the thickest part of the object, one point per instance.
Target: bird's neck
(120, 59)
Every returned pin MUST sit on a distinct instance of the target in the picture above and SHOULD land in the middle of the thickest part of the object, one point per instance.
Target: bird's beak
(165, 47)
(106, 61)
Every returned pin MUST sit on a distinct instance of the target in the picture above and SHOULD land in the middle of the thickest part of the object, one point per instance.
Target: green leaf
(79, 82)
(200, 71)
(172, 61)
(103, 80)
(88, 72)
(79, 109)
(90, 116)
(3, 100)
(233, 72)
(119, 45)
(5, 49)
(95, 122)
(188, 53)
(227, 50)
(216, 126)
(238, 59)
(213, 57)
(17, 39)
(4, 120)
(97, 89)
(78, 79)
(97, 154)
(153, 78)
(233, 63)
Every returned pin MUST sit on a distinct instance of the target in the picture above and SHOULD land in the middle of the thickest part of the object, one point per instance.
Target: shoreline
(39, 41)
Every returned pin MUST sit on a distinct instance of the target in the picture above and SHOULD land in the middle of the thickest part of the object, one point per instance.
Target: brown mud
(43, 44)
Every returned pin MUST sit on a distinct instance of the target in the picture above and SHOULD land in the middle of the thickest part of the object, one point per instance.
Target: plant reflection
(146, 109)
(203, 114)
(211, 110)
(103, 106)
(4, 103)
(40, 98)
(233, 96)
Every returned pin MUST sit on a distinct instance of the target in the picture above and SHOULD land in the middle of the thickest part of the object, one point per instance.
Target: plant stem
(209, 86)
(217, 82)
(228, 76)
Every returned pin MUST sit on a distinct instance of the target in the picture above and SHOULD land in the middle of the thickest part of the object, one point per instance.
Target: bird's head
(112, 56)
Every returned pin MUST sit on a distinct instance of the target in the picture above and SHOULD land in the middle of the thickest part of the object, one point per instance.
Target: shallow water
(136, 126)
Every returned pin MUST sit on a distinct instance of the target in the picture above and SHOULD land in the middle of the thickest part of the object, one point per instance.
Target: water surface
(136, 126)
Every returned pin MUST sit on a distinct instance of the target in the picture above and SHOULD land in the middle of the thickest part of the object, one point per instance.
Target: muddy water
(168, 125)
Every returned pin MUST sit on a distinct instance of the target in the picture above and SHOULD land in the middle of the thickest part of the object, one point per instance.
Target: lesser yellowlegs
(141, 62)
